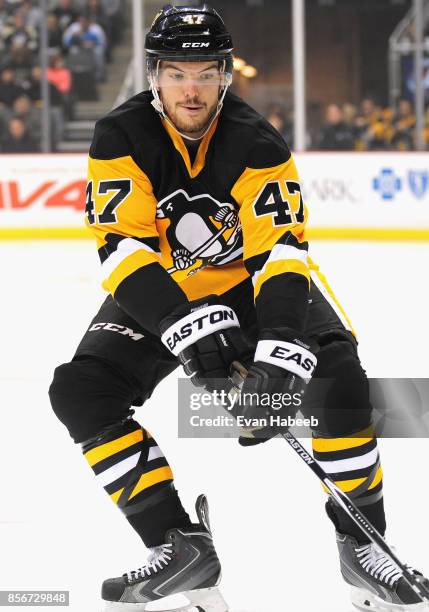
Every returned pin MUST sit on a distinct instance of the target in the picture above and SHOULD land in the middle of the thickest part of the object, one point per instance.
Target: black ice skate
(376, 583)
(181, 575)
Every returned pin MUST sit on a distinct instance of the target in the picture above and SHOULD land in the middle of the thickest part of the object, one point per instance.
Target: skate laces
(157, 560)
(377, 564)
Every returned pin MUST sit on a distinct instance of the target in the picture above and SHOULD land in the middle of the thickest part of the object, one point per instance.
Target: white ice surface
(58, 530)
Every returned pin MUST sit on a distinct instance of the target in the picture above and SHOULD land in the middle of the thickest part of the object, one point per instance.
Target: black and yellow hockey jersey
(168, 229)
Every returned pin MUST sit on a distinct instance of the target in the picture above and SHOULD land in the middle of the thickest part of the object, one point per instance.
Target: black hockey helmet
(193, 34)
(189, 33)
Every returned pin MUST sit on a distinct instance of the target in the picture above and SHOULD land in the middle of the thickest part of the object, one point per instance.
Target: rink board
(351, 196)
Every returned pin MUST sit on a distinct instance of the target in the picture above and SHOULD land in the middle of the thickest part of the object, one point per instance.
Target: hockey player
(196, 207)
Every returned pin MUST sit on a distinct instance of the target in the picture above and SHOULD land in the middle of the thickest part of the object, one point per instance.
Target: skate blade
(198, 600)
(369, 602)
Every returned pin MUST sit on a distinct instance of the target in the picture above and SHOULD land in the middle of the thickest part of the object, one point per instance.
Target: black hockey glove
(273, 389)
(206, 336)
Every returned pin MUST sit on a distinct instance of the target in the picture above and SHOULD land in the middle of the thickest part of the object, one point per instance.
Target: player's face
(189, 92)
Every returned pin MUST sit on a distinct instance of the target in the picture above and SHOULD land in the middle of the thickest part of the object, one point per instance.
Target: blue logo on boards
(387, 184)
(419, 182)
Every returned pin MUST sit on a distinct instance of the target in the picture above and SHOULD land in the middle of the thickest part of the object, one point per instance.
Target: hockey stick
(203, 246)
(340, 498)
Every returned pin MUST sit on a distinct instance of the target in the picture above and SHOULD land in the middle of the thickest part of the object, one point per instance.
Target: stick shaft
(346, 504)
(349, 507)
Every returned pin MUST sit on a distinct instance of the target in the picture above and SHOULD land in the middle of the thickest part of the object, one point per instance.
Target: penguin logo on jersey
(201, 230)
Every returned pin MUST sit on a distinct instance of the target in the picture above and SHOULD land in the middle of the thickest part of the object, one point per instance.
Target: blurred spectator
(34, 92)
(114, 11)
(349, 113)
(96, 14)
(32, 14)
(9, 88)
(370, 126)
(34, 89)
(426, 129)
(80, 35)
(60, 76)
(31, 116)
(17, 33)
(19, 58)
(336, 134)
(88, 35)
(4, 16)
(81, 62)
(17, 138)
(279, 121)
(65, 13)
(55, 35)
(403, 127)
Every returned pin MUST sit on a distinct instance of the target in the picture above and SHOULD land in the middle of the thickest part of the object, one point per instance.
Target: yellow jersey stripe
(280, 267)
(130, 264)
(152, 478)
(327, 445)
(96, 455)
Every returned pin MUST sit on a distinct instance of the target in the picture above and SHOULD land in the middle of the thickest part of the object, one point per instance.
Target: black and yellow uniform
(236, 212)
(231, 222)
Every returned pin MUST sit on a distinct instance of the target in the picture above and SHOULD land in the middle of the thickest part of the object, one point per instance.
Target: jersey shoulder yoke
(124, 130)
(249, 135)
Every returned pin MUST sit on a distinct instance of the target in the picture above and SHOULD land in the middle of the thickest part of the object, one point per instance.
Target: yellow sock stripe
(275, 268)
(115, 496)
(110, 448)
(152, 478)
(326, 445)
(377, 478)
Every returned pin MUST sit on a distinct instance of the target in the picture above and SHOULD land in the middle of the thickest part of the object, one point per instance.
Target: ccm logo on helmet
(195, 45)
(286, 354)
(197, 326)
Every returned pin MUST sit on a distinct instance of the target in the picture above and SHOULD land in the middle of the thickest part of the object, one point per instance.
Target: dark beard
(190, 128)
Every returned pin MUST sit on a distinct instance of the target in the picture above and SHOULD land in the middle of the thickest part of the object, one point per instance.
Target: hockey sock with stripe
(353, 463)
(132, 469)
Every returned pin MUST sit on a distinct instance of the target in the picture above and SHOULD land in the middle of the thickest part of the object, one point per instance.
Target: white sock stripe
(281, 252)
(154, 453)
(125, 248)
(315, 278)
(353, 463)
(118, 470)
